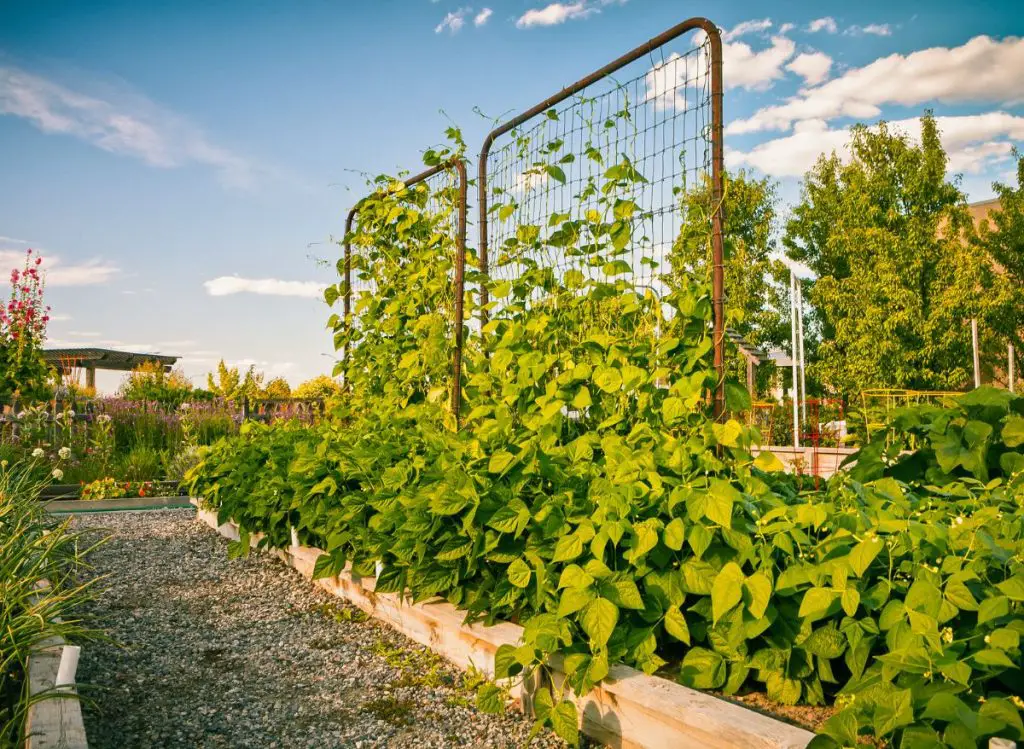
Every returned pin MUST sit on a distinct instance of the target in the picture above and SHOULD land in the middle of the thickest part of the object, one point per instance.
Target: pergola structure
(751, 353)
(66, 360)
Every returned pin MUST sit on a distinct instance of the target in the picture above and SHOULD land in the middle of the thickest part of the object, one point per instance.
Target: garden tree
(151, 382)
(320, 386)
(756, 284)
(231, 385)
(1001, 238)
(278, 388)
(23, 320)
(897, 283)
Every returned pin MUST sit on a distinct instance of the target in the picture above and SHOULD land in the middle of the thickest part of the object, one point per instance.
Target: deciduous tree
(897, 283)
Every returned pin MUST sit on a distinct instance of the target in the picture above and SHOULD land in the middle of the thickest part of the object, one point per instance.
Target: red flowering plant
(23, 321)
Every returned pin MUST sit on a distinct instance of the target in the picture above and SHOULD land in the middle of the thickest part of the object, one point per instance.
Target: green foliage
(897, 282)
(151, 383)
(590, 497)
(757, 304)
(232, 386)
(322, 386)
(34, 550)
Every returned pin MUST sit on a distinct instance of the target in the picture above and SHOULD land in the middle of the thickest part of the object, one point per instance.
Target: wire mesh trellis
(646, 127)
(439, 193)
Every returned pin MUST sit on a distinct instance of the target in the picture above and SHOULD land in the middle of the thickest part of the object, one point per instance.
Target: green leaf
(825, 642)
(489, 699)
(757, 592)
(850, 600)
(728, 433)
(727, 590)
(816, 603)
(574, 576)
(506, 664)
(555, 173)
(993, 608)
(568, 548)
(1013, 431)
(574, 599)
(721, 498)
(767, 461)
(598, 621)
(1013, 587)
(864, 553)
(500, 461)
(608, 379)
(675, 534)
(623, 593)
(565, 723)
(702, 669)
(675, 625)
(519, 573)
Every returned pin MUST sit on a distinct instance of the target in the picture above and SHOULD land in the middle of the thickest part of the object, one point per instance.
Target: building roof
(979, 211)
(102, 358)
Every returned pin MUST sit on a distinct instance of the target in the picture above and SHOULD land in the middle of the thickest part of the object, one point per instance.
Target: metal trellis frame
(665, 88)
(457, 166)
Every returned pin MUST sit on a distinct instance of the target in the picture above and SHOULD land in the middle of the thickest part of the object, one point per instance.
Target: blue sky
(149, 149)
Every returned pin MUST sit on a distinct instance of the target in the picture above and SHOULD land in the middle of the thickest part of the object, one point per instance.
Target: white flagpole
(800, 333)
(793, 360)
(974, 345)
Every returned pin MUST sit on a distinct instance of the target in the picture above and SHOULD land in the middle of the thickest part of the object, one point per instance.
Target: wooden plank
(629, 710)
(55, 720)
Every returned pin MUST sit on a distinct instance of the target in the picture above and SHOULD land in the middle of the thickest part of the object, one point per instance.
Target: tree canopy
(897, 282)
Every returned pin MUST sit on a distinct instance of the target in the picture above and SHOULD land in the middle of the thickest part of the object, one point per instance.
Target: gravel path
(246, 653)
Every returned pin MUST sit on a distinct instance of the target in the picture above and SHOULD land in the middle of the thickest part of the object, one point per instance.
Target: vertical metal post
(793, 359)
(717, 197)
(460, 294)
(974, 346)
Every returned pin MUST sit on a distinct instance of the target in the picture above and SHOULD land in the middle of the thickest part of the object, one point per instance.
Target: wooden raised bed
(629, 709)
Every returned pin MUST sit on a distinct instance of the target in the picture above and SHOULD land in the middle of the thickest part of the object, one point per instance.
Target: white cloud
(453, 21)
(84, 333)
(813, 67)
(59, 273)
(554, 14)
(826, 24)
(747, 27)
(13, 240)
(981, 70)
(482, 17)
(60, 318)
(745, 68)
(876, 29)
(786, 28)
(973, 143)
(227, 285)
(126, 124)
(742, 68)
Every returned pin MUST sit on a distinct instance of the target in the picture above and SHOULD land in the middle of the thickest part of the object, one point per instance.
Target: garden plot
(247, 654)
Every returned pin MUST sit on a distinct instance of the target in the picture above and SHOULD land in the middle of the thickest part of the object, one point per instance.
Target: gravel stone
(212, 652)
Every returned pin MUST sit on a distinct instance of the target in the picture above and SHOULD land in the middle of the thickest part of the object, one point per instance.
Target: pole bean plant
(589, 496)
